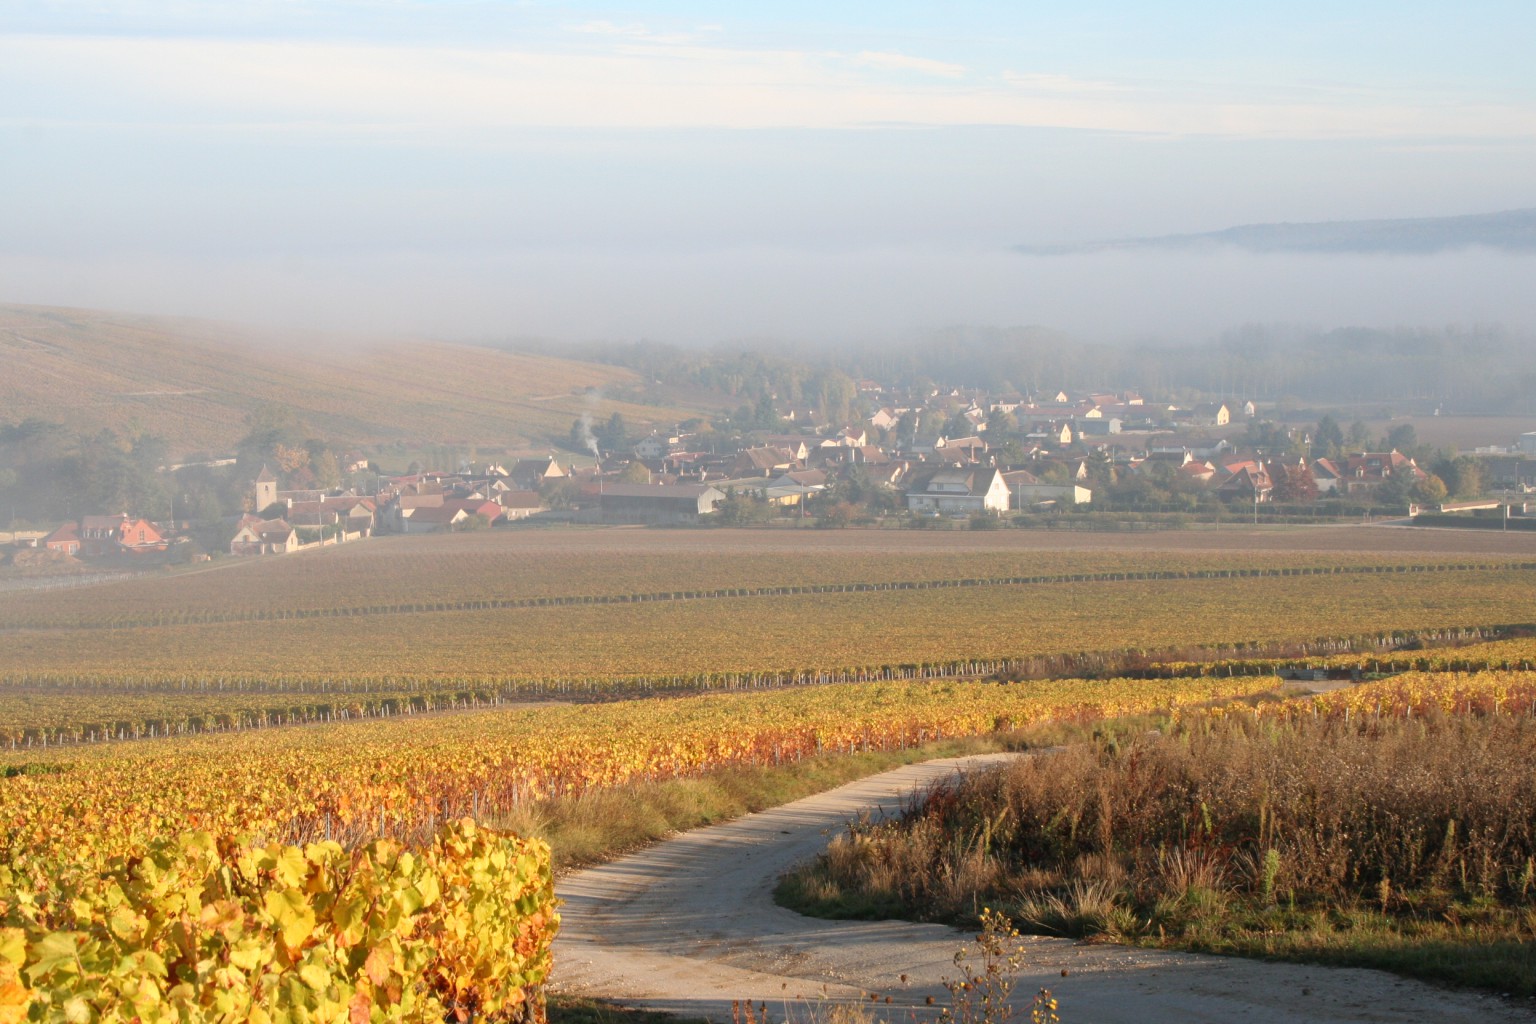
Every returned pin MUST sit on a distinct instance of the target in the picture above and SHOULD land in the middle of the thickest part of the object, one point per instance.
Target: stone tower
(266, 489)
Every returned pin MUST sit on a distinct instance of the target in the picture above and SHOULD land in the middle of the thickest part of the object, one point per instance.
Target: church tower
(266, 489)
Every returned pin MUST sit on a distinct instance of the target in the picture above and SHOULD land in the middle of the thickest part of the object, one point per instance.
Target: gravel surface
(688, 926)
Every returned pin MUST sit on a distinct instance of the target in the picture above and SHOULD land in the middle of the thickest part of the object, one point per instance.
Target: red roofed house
(112, 535)
(138, 536)
(66, 539)
(1369, 470)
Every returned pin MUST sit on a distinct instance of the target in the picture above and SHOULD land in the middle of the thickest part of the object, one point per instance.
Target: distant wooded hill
(193, 383)
(1513, 230)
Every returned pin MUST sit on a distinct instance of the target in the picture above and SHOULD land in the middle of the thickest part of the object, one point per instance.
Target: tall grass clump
(1386, 842)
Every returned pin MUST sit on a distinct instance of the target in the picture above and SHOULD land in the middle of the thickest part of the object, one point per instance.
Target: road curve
(689, 925)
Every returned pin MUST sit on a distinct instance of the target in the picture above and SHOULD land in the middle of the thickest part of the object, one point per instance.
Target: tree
(742, 509)
(1429, 491)
(958, 426)
(838, 514)
(560, 493)
(999, 425)
(635, 473)
(1462, 474)
(1402, 438)
(1327, 438)
(614, 435)
(1294, 483)
(1359, 438)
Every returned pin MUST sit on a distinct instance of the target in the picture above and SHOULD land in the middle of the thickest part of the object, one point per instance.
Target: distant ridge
(1511, 230)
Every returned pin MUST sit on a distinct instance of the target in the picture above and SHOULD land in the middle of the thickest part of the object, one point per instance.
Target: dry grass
(1407, 845)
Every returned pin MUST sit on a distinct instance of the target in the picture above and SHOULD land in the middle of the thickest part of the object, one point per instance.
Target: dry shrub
(1405, 816)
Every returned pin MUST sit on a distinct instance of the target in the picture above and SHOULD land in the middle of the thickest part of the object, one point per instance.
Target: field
(381, 693)
(418, 624)
(193, 382)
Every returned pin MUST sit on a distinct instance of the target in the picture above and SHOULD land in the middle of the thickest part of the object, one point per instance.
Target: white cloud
(648, 81)
(637, 31)
(1057, 83)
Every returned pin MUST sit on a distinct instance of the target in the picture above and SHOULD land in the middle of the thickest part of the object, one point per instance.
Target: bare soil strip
(689, 925)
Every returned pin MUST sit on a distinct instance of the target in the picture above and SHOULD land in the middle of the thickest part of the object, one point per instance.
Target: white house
(959, 490)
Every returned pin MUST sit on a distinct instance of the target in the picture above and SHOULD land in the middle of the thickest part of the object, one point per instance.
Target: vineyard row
(1125, 664)
(215, 616)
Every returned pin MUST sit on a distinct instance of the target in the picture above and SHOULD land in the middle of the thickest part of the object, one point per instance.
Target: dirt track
(689, 925)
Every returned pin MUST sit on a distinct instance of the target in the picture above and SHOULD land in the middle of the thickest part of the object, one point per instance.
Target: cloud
(1058, 83)
(903, 62)
(628, 77)
(636, 31)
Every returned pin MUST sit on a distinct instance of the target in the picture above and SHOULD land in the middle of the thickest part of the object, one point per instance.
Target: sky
(706, 172)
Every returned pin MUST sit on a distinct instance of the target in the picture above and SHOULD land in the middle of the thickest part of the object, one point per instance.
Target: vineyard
(857, 631)
(1165, 615)
(217, 872)
(400, 778)
(517, 568)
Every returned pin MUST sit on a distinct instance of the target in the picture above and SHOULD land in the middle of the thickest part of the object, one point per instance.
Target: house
(1028, 489)
(798, 445)
(1197, 447)
(533, 474)
(1168, 455)
(139, 536)
(119, 534)
(264, 537)
(355, 514)
(657, 503)
(434, 520)
(1327, 476)
(1212, 414)
(962, 489)
(765, 461)
(657, 446)
(1050, 432)
(520, 504)
(1251, 483)
(1197, 471)
(959, 449)
(1099, 426)
(486, 509)
(1365, 471)
(98, 534)
(884, 419)
(65, 539)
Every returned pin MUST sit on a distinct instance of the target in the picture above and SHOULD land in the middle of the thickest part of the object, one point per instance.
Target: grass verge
(563, 1009)
(600, 825)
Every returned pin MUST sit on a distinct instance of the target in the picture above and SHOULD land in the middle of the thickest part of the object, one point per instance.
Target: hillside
(1508, 230)
(193, 382)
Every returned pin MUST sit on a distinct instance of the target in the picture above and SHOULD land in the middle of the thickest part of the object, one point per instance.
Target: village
(943, 455)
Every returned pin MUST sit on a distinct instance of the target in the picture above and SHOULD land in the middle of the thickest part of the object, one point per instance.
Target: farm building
(657, 503)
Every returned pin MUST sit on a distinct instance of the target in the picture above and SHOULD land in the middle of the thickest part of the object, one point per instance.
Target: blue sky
(392, 164)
